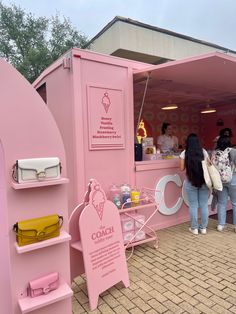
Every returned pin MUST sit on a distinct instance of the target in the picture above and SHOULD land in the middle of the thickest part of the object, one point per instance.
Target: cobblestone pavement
(186, 274)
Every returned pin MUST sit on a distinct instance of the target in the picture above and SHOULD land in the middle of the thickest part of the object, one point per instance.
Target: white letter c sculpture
(159, 196)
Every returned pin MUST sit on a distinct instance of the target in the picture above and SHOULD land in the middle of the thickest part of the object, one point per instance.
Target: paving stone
(144, 286)
(173, 307)
(111, 301)
(121, 310)
(225, 304)
(189, 299)
(219, 309)
(189, 308)
(218, 292)
(172, 297)
(173, 288)
(203, 291)
(228, 285)
(77, 308)
(141, 304)
(204, 309)
(144, 295)
(136, 311)
(200, 283)
(126, 302)
(187, 289)
(104, 308)
(157, 306)
(219, 285)
(81, 297)
(202, 299)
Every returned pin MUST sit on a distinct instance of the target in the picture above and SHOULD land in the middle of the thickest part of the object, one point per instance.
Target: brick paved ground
(187, 274)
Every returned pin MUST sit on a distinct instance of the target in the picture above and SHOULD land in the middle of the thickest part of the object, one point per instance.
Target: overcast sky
(210, 20)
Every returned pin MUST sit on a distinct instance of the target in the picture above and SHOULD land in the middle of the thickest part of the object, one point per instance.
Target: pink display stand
(28, 130)
(101, 243)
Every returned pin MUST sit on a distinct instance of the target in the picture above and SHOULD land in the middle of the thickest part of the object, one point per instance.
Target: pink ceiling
(198, 81)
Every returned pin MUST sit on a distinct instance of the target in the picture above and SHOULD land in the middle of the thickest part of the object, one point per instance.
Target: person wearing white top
(196, 189)
(167, 142)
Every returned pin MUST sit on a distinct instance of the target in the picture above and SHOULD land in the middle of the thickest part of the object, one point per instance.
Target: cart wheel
(156, 245)
(129, 252)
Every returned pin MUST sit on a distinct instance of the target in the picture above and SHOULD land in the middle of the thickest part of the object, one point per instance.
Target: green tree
(32, 43)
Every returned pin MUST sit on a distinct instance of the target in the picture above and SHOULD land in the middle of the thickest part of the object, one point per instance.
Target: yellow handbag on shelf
(37, 229)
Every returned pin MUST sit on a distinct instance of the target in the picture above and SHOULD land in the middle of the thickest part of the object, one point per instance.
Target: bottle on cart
(135, 196)
(115, 195)
(126, 195)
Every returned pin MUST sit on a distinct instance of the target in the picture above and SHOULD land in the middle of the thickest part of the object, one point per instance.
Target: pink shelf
(138, 207)
(29, 304)
(77, 245)
(63, 237)
(18, 186)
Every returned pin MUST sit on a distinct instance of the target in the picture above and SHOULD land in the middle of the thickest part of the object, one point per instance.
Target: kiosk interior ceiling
(199, 80)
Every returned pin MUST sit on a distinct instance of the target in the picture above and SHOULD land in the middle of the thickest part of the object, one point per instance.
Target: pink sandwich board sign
(102, 244)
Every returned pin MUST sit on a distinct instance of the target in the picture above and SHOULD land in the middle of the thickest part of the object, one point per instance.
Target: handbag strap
(14, 173)
(15, 229)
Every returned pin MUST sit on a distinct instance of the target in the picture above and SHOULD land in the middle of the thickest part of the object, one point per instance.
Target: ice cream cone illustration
(98, 198)
(106, 102)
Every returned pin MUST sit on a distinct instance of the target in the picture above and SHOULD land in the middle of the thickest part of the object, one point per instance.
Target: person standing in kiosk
(196, 189)
(167, 142)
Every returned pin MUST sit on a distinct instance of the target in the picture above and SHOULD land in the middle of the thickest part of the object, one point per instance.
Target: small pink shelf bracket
(18, 186)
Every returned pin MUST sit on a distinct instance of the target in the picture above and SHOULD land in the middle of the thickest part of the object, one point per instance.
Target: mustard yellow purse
(37, 229)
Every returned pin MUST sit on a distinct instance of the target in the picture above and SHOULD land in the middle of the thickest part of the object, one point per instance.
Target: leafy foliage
(32, 43)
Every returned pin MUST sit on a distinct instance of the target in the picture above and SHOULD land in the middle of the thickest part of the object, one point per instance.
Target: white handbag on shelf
(36, 169)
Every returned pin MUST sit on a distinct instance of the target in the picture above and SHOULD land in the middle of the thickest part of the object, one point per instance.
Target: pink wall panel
(188, 119)
(184, 120)
(101, 164)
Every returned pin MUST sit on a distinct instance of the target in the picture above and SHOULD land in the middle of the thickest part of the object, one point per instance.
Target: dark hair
(164, 127)
(223, 142)
(193, 161)
(222, 132)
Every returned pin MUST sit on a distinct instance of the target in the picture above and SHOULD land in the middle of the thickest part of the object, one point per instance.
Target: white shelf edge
(19, 186)
(63, 237)
(29, 304)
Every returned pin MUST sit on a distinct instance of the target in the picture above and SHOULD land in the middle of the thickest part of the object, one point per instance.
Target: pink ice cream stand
(93, 106)
(98, 101)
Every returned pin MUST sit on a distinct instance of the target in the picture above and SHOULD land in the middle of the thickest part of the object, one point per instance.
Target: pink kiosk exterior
(28, 130)
(96, 99)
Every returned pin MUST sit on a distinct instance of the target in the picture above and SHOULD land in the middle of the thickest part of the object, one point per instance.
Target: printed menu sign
(102, 245)
(106, 118)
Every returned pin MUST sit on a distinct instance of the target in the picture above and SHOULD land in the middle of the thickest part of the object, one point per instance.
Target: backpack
(220, 160)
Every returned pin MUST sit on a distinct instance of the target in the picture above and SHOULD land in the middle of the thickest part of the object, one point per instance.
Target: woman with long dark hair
(223, 164)
(196, 189)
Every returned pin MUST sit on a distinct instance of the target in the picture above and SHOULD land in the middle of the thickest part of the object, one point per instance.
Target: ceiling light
(208, 109)
(169, 107)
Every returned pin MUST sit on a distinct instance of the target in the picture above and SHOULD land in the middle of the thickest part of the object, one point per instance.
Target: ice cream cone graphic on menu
(98, 200)
(106, 102)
